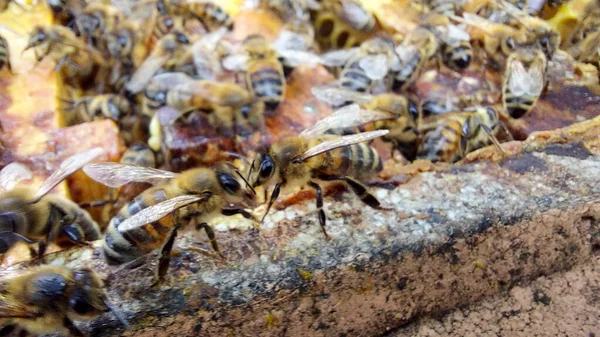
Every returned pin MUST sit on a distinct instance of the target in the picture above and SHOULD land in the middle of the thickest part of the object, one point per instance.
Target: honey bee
(73, 57)
(586, 38)
(170, 46)
(297, 37)
(397, 113)
(287, 9)
(106, 106)
(364, 66)
(444, 7)
(96, 19)
(209, 13)
(4, 54)
(123, 45)
(185, 94)
(143, 225)
(65, 11)
(341, 24)
(297, 161)
(47, 299)
(537, 32)
(418, 48)
(264, 74)
(201, 60)
(31, 216)
(451, 136)
(454, 41)
(524, 80)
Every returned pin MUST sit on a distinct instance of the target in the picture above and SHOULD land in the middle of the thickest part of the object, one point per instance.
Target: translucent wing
(375, 66)
(116, 174)
(338, 58)
(488, 27)
(166, 81)
(354, 14)
(523, 81)
(145, 72)
(296, 57)
(345, 117)
(451, 34)
(159, 211)
(336, 96)
(12, 174)
(289, 40)
(210, 40)
(340, 142)
(406, 53)
(66, 168)
(235, 62)
(16, 309)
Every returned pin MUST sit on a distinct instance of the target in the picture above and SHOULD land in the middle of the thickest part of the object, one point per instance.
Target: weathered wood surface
(455, 236)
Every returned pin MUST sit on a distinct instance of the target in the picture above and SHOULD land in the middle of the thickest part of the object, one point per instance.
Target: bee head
(37, 37)
(264, 170)
(87, 297)
(236, 187)
(257, 47)
(88, 23)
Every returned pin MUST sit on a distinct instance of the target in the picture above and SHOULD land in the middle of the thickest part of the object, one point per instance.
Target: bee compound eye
(229, 183)
(267, 167)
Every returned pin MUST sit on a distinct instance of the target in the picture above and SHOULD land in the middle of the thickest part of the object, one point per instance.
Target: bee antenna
(116, 313)
(237, 155)
(251, 169)
(241, 176)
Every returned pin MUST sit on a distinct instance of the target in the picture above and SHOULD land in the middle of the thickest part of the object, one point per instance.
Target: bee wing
(375, 66)
(345, 117)
(210, 40)
(338, 58)
(525, 82)
(340, 142)
(406, 53)
(235, 62)
(116, 174)
(159, 211)
(12, 174)
(452, 34)
(145, 72)
(336, 96)
(487, 26)
(66, 168)
(354, 14)
(16, 309)
(166, 81)
(290, 40)
(297, 57)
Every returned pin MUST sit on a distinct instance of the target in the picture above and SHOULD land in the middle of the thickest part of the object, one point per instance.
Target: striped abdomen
(125, 245)
(211, 16)
(81, 221)
(354, 78)
(410, 70)
(458, 56)
(359, 161)
(444, 143)
(517, 106)
(4, 55)
(266, 80)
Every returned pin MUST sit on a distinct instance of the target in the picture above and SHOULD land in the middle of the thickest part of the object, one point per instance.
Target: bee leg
(274, 196)
(211, 236)
(61, 63)
(234, 211)
(493, 138)
(322, 218)
(506, 131)
(73, 330)
(359, 189)
(165, 255)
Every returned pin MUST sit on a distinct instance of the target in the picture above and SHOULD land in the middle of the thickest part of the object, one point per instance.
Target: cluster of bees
(129, 70)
